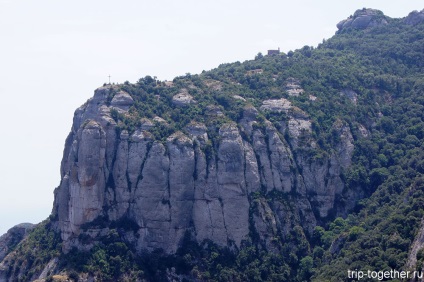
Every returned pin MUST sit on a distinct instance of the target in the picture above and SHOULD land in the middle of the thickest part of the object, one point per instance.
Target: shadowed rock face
(167, 189)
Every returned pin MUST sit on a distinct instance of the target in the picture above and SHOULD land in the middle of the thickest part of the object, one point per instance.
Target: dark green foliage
(379, 240)
(109, 261)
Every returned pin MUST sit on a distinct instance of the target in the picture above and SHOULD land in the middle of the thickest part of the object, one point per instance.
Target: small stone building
(274, 52)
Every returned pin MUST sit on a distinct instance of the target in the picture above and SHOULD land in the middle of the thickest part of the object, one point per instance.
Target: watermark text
(383, 275)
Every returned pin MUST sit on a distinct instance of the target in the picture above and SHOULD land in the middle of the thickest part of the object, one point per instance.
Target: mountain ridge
(259, 155)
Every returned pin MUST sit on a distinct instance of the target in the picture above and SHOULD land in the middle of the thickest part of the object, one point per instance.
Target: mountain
(288, 167)
(12, 238)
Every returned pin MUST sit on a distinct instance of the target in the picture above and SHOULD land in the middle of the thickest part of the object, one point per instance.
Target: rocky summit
(363, 19)
(288, 167)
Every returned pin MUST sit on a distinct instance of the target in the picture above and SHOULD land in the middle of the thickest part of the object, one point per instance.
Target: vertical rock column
(181, 186)
(151, 200)
(84, 185)
(232, 186)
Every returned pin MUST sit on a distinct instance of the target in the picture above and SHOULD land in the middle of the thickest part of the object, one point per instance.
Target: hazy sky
(53, 54)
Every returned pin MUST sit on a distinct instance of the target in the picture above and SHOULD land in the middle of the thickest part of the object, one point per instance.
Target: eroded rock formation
(363, 19)
(166, 189)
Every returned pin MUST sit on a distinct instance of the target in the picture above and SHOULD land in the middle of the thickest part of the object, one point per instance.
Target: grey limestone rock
(198, 131)
(213, 110)
(276, 105)
(160, 120)
(415, 18)
(364, 133)
(189, 184)
(146, 124)
(293, 87)
(183, 98)
(363, 19)
(238, 97)
(417, 245)
(122, 101)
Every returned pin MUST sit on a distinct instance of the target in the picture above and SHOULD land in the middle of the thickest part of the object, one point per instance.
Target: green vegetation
(31, 256)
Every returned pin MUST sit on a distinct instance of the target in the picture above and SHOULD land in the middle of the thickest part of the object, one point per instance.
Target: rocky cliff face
(165, 190)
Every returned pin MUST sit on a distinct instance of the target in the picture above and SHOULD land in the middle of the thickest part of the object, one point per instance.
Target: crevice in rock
(168, 184)
(140, 174)
(223, 216)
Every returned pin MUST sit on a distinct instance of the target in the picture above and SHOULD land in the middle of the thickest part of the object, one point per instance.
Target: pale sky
(53, 54)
